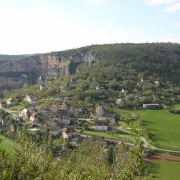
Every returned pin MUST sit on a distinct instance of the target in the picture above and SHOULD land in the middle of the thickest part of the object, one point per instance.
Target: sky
(40, 26)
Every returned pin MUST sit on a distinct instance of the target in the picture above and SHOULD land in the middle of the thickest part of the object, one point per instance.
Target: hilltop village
(60, 119)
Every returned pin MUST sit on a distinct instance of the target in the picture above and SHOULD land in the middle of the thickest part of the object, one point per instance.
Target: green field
(163, 127)
(20, 106)
(6, 144)
(165, 170)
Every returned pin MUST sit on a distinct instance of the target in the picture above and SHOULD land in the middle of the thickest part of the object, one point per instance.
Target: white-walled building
(28, 98)
(23, 113)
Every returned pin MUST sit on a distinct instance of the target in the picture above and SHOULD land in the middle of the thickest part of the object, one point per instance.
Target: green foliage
(32, 161)
(111, 155)
(117, 67)
(162, 126)
(173, 110)
(20, 106)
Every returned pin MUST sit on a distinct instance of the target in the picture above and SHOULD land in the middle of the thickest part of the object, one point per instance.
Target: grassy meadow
(6, 144)
(165, 170)
(115, 136)
(163, 127)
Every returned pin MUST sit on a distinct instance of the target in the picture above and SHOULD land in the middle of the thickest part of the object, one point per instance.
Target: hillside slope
(106, 62)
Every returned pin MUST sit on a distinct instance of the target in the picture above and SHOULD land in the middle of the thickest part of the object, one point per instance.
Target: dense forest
(148, 72)
(134, 73)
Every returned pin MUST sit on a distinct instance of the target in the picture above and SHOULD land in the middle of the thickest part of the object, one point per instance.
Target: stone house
(119, 101)
(74, 122)
(54, 108)
(11, 102)
(55, 132)
(99, 110)
(99, 88)
(33, 117)
(28, 98)
(53, 124)
(101, 126)
(42, 87)
(111, 118)
(156, 82)
(65, 121)
(3, 104)
(124, 91)
(108, 102)
(73, 81)
(144, 80)
(69, 133)
(76, 110)
(151, 106)
(23, 113)
(64, 105)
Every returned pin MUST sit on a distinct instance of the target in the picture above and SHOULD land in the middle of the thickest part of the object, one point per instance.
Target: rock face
(41, 64)
(45, 65)
(90, 58)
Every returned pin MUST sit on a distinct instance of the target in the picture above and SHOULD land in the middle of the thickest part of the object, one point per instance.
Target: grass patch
(20, 106)
(163, 128)
(58, 142)
(115, 136)
(122, 112)
(165, 170)
(6, 144)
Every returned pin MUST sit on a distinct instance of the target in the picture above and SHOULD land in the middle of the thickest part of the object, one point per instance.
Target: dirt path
(163, 158)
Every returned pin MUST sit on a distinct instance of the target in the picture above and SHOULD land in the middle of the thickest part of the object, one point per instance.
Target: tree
(89, 161)
(111, 156)
(88, 99)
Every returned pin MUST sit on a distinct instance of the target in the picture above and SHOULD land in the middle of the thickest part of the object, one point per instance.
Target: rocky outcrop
(46, 65)
(41, 64)
(89, 58)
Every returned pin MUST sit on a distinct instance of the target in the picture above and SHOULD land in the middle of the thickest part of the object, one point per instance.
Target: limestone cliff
(46, 65)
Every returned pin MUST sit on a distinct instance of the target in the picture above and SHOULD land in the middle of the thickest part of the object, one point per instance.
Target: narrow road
(109, 139)
(15, 114)
(146, 143)
(10, 111)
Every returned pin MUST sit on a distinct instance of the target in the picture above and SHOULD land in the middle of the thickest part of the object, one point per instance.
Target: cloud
(160, 2)
(51, 28)
(177, 23)
(171, 35)
(173, 5)
(173, 8)
(96, 1)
